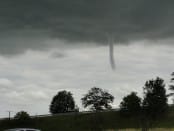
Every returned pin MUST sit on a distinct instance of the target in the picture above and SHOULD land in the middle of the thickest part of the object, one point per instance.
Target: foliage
(171, 86)
(155, 99)
(97, 99)
(22, 115)
(131, 104)
(62, 102)
(172, 79)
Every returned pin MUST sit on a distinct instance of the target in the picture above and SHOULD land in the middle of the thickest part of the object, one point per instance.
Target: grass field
(155, 129)
(103, 121)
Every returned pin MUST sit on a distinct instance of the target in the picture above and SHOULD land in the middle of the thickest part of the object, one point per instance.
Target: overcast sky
(51, 45)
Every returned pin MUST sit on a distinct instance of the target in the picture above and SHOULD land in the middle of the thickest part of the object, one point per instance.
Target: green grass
(103, 121)
(154, 129)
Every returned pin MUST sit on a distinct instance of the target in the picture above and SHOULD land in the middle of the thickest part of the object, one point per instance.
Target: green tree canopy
(171, 86)
(62, 102)
(155, 99)
(97, 99)
(131, 104)
(22, 115)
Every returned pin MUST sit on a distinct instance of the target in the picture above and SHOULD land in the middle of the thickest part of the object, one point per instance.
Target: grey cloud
(82, 21)
(57, 55)
(38, 77)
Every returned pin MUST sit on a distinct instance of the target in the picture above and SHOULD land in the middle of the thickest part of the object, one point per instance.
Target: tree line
(153, 105)
(154, 100)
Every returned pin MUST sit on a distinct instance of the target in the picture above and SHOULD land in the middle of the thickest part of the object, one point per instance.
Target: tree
(155, 99)
(131, 104)
(97, 99)
(172, 79)
(171, 86)
(62, 102)
(22, 116)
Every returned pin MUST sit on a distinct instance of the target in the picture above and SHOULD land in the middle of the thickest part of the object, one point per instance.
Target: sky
(48, 46)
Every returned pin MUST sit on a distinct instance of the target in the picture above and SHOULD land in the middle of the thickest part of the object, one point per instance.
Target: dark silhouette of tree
(171, 86)
(22, 116)
(131, 104)
(62, 102)
(97, 99)
(172, 80)
(155, 99)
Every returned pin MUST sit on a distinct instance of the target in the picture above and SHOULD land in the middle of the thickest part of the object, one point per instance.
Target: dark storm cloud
(82, 21)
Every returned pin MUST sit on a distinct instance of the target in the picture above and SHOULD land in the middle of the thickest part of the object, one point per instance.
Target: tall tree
(171, 86)
(97, 99)
(155, 99)
(62, 102)
(131, 104)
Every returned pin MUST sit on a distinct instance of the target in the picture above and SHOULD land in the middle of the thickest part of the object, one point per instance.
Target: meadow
(101, 121)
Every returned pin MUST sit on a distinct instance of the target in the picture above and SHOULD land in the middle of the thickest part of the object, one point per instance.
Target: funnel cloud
(48, 46)
(111, 53)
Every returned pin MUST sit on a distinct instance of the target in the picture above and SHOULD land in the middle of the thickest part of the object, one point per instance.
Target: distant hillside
(103, 121)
